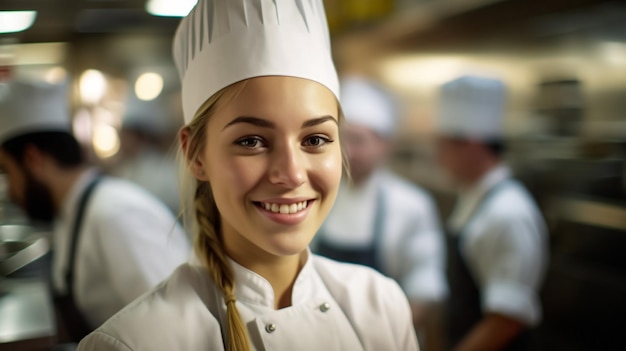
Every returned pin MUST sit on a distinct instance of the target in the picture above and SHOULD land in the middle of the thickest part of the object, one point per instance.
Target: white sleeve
(141, 245)
(509, 263)
(422, 254)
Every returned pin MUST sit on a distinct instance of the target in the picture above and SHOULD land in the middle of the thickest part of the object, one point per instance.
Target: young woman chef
(260, 100)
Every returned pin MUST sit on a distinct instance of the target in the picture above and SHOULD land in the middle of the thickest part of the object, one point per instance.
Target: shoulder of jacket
(407, 194)
(115, 197)
(512, 202)
(102, 341)
(185, 296)
(351, 278)
(118, 189)
(365, 295)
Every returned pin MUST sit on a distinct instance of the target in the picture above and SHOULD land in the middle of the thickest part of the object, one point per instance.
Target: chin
(284, 247)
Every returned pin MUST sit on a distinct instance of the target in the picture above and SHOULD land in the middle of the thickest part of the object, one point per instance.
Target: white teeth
(285, 208)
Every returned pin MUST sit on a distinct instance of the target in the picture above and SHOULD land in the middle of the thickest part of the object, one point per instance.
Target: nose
(288, 167)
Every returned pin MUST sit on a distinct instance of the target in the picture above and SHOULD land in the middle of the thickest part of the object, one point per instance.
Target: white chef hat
(222, 42)
(473, 107)
(29, 107)
(366, 103)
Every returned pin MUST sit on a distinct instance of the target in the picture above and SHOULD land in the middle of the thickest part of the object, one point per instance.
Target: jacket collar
(250, 287)
(471, 197)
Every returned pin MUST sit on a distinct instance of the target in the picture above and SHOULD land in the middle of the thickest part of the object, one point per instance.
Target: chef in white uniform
(379, 219)
(112, 241)
(262, 143)
(497, 250)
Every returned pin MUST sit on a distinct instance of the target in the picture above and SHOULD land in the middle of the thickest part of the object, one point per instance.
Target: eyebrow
(259, 122)
(316, 121)
(263, 123)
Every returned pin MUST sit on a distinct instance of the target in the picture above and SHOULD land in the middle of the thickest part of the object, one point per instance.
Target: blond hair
(204, 220)
(201, 215)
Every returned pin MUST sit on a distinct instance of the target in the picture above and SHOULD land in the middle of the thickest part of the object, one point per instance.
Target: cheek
(234, 175)
(326, 172)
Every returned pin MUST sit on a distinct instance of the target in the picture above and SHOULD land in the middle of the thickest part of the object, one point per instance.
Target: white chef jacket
(128, 243)
(335, 306)
(504, 246)
(412, 245)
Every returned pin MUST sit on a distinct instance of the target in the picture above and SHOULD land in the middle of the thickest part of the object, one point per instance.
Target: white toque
(367, 103)
(222, 42)
(29, 107)
(472, 107)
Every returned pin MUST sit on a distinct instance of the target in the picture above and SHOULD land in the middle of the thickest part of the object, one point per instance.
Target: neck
(61, 182)
(479, 171)
(279, 271)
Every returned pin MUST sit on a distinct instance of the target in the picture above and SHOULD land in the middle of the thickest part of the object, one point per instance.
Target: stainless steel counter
(27, 320)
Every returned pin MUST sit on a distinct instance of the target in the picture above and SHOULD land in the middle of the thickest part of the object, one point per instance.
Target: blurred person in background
(380, 219)
(145, 156)
(112, 241)
(262, 145)
(497, 248)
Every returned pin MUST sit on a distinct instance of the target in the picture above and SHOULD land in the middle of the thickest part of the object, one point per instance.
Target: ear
(195, 165)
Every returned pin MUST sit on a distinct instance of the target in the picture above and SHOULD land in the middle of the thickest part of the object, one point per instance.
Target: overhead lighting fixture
(106, 141)
(170, 8)
(16, 21)
(55, 75)
(614, 53)
(148, 86)
(92, 86)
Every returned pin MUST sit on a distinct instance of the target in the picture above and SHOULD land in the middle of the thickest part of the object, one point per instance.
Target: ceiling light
(16, 21)
(55, 75)
(170, 8)
(413, 71)
(148, 86)
(92, 86)
(614, 53)
(106, 141)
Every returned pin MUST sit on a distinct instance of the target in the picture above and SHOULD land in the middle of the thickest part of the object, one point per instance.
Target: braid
(210, 248)
(208, 243)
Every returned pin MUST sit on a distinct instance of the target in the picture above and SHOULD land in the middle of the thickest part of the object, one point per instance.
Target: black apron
(73, 320)
(368, 255)
(464, 303)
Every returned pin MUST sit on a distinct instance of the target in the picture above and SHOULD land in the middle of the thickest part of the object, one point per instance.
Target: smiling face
(273, 159)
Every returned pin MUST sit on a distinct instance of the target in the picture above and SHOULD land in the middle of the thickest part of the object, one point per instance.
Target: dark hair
(62, 146)
(496, 147)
